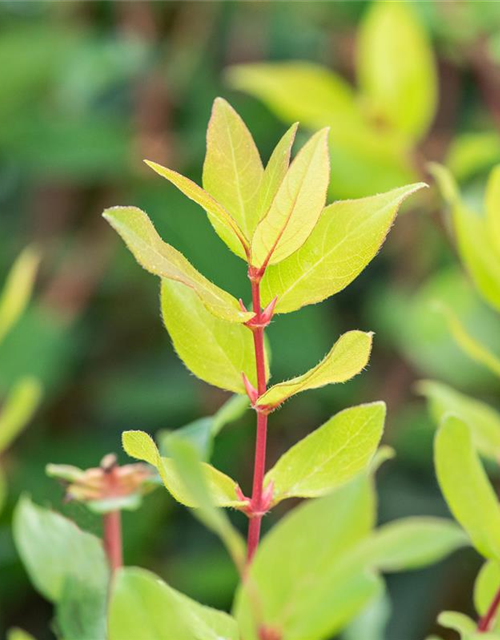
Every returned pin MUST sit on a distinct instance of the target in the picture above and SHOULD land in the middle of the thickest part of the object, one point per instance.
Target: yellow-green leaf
(233, 170)
(396, 68)
(297, 205)
(17, 409)
(492, 204)
(348, 356)
(329, 456)
(222, 221)
(483, 420)
(466, 487)
(347, 237)
(222, 488)
(19, 634)
(161, 259)
(215, 350)
(459, 622)
(17, 289)
(486, 587)
(472, 347)
(275, 172)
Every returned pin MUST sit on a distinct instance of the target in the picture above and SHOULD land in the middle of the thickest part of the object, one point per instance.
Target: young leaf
(190, 470)
(67, 566)
(305, 548)
(347, 237)
(162, 260)
(329, 456)
(472, 347)
(19, 634)
(391, 37)
(348, 356)
(18, 409)
(413, 543)
(233, 171)
(221, 220)
(458, 622)
(222, 488)
(492, 205)
(275, 172)
(297, 205)
(482, 420)
(486, 587)
(215, 350)
(143, 606)
(466, 488)
(17, 289)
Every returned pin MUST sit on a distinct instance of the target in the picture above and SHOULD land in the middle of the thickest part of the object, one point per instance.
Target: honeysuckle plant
(469, 429)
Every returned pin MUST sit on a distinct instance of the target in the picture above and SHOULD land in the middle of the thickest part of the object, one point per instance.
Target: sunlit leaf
(215, 350)
(329, 456)
(492, 205)
(347, 237)
(348, 357)
(163, 260)
(304, 590)
(17, 289)
(18, 409)
(275, 172)
(297, 205)
(412, 543)
(232, 171)
(396, 68)
(222, 488)
(458, 622)
(470, 153)
(222, 221)
(143, 606)
(483, 420)
(466, 487)
(472, 347)
(19, 634)
(486, 587)
(372, 621)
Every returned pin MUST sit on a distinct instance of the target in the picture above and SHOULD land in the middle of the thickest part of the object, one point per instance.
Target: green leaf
(190, 469)
(3, 489)
(396, 68)
(275, 172)
(163, 260)
(17, 289)
(347, 237)
(305, 548)
(19, 634)
(466, 487)
(18, 409)
(143, 606)
(233, 170)
(67, 566)
(297, 205)
(412, 543)
(470, 153)
(458, 622)
(331, 455)
(492, 205)
(223, 223)
(486, 587)
(222, 488)
(348, 356)
(472, 347)
(482, 420)
(372, 622)
(215, 350)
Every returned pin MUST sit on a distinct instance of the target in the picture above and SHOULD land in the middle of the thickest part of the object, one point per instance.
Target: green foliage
(17, 409)
(465, 486)
(18, 634)
(459, 622)
(482, 420)
(67, 566)
(329, 456)
(347, 237)
(222, 488)
(143, 606)
(486, 587)
(348, 357)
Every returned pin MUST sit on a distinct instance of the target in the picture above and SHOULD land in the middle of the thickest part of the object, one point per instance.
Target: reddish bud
(252, 392)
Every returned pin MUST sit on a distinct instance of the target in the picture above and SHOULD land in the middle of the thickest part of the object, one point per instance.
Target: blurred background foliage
(88, 89)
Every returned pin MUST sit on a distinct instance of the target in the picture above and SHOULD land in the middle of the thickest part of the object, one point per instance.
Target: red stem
(489, 617)
(113, 539)
(261, 437)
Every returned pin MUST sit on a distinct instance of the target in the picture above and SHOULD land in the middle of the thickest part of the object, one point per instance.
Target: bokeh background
(88, 89)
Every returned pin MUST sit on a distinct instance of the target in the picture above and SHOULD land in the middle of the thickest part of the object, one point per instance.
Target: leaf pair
(263, 215)
(374, 129)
